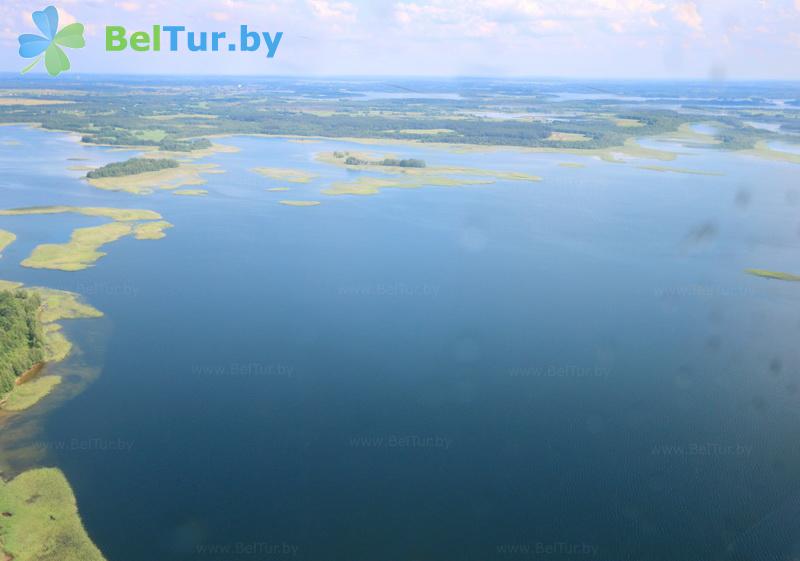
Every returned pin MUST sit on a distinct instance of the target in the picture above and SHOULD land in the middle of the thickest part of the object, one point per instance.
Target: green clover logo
(55, 60)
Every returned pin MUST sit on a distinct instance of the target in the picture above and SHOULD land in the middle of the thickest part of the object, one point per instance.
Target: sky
(655, 39)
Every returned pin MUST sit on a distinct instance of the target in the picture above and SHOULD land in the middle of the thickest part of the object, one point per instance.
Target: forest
(132, 167)
(21, 335)
(391, 162)
(178, 118)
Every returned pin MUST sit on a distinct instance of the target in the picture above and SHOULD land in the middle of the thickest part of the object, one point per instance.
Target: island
(407, 173)
(388, 162)
(132, 166)
(286, 174)
(83, 248)
(299, 203)
(775, 275)
(190, 192)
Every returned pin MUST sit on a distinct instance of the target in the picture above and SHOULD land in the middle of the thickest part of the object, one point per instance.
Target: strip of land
(151, 181)
(117, 214)
(83, 248)
(6, 239)
(191, 192)
(665, 169)
(775, 275)
(81, 251)
(300, 203)
(151, 230)
(286, 174)
(408, 176)
(40, 520)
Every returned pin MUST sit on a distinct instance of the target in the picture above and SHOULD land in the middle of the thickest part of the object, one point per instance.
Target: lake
(576, 368)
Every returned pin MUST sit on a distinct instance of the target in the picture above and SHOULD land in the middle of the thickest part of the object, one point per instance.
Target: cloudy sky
(733, 39)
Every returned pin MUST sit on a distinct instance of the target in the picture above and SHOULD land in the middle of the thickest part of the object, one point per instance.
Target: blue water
(785, 147)
(577, 367)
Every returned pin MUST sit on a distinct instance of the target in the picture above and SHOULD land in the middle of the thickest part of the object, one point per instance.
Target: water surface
(442, 373)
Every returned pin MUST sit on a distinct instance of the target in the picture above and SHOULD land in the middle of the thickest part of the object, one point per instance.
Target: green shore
(40, 519)
(55, 306)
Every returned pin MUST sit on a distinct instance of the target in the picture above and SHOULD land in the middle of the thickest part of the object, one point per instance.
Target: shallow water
(772, 127)
(467, 373)
(785, 147)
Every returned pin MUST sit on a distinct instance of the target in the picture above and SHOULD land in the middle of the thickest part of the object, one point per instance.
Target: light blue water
(436, 373)
(785, 147)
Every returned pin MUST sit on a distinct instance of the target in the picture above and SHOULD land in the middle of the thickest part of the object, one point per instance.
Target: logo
(49, 45)
(195, 41)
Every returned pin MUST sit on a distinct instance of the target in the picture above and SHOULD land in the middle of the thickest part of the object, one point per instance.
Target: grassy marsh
(369, 185)
(6, 239)
(762, 150)
(286, 174)
(81, 251)
(151, 230)
(190, 192)
(373, 164)
(665, 169)
(299, 203)
(117, 214)
(775, 275)
(42, 520)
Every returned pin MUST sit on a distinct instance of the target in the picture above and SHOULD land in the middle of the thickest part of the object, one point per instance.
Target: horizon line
(710, 81)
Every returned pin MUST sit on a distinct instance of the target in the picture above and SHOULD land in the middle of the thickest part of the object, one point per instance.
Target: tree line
(21, 335)
(132, 167)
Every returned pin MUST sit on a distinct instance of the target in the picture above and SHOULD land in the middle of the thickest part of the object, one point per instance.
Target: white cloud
(65, 18)
(338, 12)
(687, 14)
(128, 6)
(512, 16)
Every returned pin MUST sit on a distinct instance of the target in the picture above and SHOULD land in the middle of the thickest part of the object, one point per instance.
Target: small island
(190, 192)
(388, 162)
(132, 166)
(286, 174)
(83, 248)
(299, 203)
(775, 275)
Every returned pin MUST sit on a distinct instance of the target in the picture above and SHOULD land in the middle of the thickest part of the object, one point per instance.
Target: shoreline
(56, 305)
(22, 379)
(31, 373)
(630, 148)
